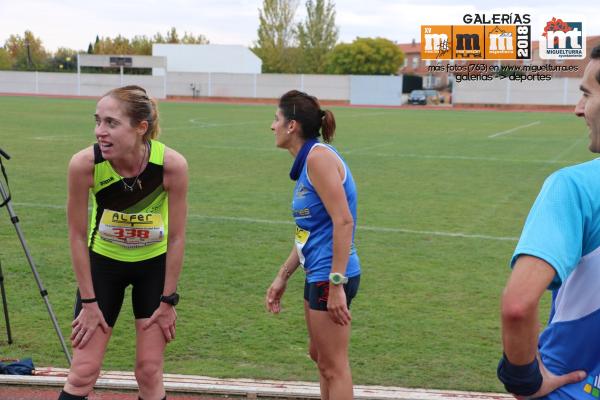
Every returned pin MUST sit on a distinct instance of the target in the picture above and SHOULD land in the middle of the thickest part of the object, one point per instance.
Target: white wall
(383, 90)
(557, 91)
(270, 86)
(207, 58)
(66, 84)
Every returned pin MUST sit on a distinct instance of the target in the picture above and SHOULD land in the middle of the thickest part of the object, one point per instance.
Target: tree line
(311, 46)
(284, 45)
(27, 53)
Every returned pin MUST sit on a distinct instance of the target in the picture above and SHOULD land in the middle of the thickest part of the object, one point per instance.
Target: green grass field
(441, 204)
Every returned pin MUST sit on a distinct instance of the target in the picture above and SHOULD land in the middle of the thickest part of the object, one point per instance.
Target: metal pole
(78, 76)
(5, 307)
(43, 292)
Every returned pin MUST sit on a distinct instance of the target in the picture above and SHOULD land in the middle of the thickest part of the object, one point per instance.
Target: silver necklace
(129, 188)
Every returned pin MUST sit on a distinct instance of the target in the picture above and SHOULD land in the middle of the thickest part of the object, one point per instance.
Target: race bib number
(131, 230)
(301, 238)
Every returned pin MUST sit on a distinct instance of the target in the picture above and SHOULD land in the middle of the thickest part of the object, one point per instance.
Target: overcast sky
(75, 23)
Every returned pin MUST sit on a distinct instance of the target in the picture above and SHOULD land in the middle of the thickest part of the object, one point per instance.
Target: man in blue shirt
(559, 249)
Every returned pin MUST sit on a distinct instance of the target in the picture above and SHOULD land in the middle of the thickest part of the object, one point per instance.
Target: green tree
(96, 45)
(90, 49)
(27, 51)
(317, 35)
(141, 45)
(63, 60)
(172, 36)
(107, 45)
(277, 36)
(189, 38)
(366, 56)
(6, 61)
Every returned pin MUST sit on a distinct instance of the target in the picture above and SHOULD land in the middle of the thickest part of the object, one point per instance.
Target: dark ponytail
(306, 110)
(328, 126)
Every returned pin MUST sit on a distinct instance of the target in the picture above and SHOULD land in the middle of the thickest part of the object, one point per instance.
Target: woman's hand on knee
(164, 316)
(337, 307)
(86, 323)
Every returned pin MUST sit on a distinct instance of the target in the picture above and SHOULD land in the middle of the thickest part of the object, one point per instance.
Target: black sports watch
(171, 299)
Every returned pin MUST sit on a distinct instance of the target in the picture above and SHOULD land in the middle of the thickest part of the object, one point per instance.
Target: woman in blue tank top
(324, 209)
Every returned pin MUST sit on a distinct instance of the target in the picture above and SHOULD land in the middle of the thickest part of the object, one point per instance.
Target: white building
(234, 59)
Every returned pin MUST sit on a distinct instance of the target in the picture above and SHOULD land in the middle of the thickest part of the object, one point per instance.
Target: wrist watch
(171, 299)
(336, 278)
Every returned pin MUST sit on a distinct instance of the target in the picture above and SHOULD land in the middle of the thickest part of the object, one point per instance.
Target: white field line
(61, 137)
(514, 129)
(360, 227)
(372, 114)
(281, 222)
(567, 150)
(244, 148)
(456, 157)
(360, 149)
(39, 205)
(200, 123)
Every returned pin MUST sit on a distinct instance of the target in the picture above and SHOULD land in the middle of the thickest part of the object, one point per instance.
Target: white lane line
(438, 233)
(360, 149)
(281, 222)
(514, 129)
(372, 114)
(38, 205)
(200, 123)
(455, 157)
(60, 137)
(567, 150)
(244, 148)
(361, 227)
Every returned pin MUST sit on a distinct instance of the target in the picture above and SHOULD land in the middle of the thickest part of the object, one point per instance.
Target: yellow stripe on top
(129, 225)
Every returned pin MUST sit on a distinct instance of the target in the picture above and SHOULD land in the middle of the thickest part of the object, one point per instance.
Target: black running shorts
(110, 278)
(317, 293)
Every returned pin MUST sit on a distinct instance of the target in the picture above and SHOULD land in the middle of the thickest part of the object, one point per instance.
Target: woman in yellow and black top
(136, 237)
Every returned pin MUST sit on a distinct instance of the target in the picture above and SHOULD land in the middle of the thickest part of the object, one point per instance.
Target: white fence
(266, 86)
(557, 91)
(69, 84)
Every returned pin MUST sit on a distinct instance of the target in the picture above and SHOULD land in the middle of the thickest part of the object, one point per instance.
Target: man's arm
(520, 324)
(521, 366)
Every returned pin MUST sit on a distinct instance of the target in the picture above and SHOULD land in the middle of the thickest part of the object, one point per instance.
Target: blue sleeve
(554, 228)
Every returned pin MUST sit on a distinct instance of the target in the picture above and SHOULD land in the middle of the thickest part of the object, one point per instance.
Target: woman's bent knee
(83, 375)
(334, 370)
(148, 372)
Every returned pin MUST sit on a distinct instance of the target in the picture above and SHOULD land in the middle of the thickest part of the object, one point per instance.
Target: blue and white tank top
(314, 227)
